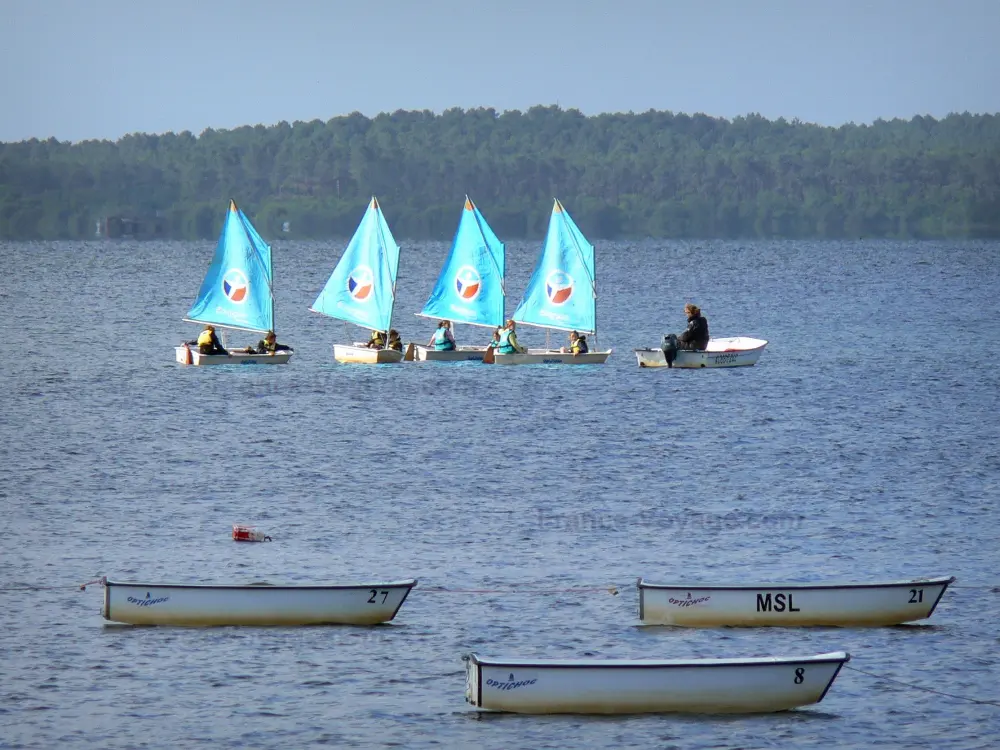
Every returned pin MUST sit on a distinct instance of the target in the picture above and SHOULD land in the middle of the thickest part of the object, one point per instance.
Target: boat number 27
(916, 596)
(372, 593)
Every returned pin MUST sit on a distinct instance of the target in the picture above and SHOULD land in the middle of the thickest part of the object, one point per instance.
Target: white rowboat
(199, 604)
(790, 604)
(234, 358)
(627, 686)
(551, 357)
(737, 351)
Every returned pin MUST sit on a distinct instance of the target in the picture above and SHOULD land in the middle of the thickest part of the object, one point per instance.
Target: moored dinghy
(626, 686)
(236, 293)
(561, 294)
(362, 287)
(470, 287)
(203, 604)
(736, 351)
(790, 604)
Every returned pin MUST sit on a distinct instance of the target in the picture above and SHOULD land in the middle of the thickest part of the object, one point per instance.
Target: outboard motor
(669, 347)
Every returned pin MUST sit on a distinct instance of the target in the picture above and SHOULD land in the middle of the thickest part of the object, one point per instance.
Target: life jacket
(264, 346)
(505, 346)
(205, 338)
(396, 344)
(580, 346)
(441, 342)
(377, 339)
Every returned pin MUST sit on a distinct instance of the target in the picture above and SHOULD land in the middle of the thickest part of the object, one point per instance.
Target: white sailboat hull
(358, 354)
(462, 354)
(201, 605)
(737, 351)
(551, 357)
(592, 686)
(233, 358)
(795, 604)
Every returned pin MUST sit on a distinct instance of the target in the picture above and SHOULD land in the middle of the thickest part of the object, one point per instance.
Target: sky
(84, 69)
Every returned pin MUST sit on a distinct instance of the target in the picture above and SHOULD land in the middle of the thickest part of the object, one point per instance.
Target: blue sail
(362, 287)
(561, 293)
(470, 287)
(236, 292)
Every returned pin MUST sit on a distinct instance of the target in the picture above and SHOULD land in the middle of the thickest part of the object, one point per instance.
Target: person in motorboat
(695, 336)
(577, 343)
(377, 340)
(443, 339)
(269, 345)
(508, 340)
(395, 342)
(207, 342)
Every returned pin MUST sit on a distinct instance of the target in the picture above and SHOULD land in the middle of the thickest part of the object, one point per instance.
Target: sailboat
(236, 293)
(561, 294)
(362, 287)
(470, 287)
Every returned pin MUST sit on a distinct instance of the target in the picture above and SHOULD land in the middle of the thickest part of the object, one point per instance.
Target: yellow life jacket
(205, 338)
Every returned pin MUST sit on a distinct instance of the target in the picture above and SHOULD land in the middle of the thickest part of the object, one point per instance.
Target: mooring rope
(613, 590)
(921, 687)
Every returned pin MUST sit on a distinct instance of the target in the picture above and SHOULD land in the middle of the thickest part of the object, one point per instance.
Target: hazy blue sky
(78, 69)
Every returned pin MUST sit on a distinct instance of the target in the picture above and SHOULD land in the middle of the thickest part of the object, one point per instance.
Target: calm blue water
(864, 446)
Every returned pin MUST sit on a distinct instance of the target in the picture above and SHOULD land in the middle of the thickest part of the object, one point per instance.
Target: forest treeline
(657, 174)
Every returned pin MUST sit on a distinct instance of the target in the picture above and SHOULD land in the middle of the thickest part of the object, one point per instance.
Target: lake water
(864, 446)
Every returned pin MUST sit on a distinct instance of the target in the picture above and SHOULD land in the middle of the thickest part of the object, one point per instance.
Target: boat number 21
(372, 593)
(916, 596)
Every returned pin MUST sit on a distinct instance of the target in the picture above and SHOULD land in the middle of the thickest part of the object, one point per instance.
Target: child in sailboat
(269, 345)
(395, 342)
(577, 343)
(377, 340)
(508, 340)
(443, 339)
(207, 342)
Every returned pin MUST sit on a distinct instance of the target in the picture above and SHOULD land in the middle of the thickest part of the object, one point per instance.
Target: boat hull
(364, 356)
(462, 354)
(233, 358)
(594, 686)
(202, 605)
(551, 357)
(786, 605)
(738, 351)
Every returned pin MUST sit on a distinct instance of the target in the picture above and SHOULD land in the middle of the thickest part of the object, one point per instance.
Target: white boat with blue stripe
(469, 289)
(362, 288)
(236, 293)
(561, 295)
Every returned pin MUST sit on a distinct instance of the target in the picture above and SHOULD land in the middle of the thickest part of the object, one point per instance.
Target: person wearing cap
(208, 342)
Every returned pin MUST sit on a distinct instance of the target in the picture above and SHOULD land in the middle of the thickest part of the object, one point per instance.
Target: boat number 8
(373, 593)
(800, 674)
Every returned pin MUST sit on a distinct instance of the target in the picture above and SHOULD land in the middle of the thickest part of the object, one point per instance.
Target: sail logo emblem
(559, 287)
(360, 283)
(468, 283)
(235, 285)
